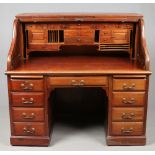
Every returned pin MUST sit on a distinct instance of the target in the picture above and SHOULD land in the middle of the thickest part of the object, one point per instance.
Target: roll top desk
(50, 51)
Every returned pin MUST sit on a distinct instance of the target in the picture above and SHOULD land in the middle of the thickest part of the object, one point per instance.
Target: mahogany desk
(50, 51)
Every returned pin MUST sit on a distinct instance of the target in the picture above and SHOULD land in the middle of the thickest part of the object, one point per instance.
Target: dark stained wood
(50, 51)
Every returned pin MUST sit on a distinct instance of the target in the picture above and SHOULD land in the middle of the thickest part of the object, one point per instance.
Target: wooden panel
(78, 81)
(127, 114)
(120, 36)
(119, 41)
(106, 39)
(28, 114)
(129, 84)
(105, 32)
(127, 128)
(45, 46)
(34, 99)
(115, 26)
(27, 85)
(128, 98)
(29, 129)
(37, 36)
(87, 36)
(71, 36)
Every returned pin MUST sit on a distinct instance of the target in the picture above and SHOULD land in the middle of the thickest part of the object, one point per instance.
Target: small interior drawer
(78, 81)
(105, 39)
(127, 128)
(29, 129)
(128, 98)
(26, 99)
(128, 114)
(129, 84)
(27, 85)
(28, 114)
(105, 33)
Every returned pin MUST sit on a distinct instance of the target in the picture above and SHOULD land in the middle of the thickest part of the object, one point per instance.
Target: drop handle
(27, 86)
(128, 116)
(131, 101)
(125, 87)
(25, 116)
(29, 131)
(127, 131)
(30, 101)
(74, 83)
(82, 83)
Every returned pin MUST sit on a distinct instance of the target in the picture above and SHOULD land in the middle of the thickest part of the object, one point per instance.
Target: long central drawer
(78, 81)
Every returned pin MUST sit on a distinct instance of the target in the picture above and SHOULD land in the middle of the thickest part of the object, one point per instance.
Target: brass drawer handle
(131, 101)
(125, 87)
(26, 85)
(25, 101)
(82, 83)
(25, 116)
(127, 131)
(126, 116)
(29, 131)
(74, 83)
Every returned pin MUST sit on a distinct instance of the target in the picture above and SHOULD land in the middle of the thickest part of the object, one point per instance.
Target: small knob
(78, 39)
(22, 84)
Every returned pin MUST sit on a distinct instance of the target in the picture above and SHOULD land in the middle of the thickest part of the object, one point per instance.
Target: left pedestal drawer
(27, 85)
(28, 114)
(25, 99)
(29, 129)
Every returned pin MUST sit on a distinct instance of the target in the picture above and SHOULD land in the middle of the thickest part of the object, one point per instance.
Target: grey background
(69, 138)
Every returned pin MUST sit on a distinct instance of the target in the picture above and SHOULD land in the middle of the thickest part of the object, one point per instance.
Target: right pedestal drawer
(128, 105)
(129, 84)
(128, 98)
(127, 128)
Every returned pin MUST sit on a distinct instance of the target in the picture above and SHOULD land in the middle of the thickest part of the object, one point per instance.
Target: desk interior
(78, 64)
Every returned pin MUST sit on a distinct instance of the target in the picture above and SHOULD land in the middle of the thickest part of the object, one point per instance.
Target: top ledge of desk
(43, 17)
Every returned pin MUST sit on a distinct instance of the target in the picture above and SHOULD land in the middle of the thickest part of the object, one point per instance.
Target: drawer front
(34, 99)
(26, 114)
(120, 36)
(27, 85)
(127, 114)
(105, 33)
(77, 81)
(127, 128)
(119, 41)
(128, 98)
(105, 39)
(29, 129)
(129, 84)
